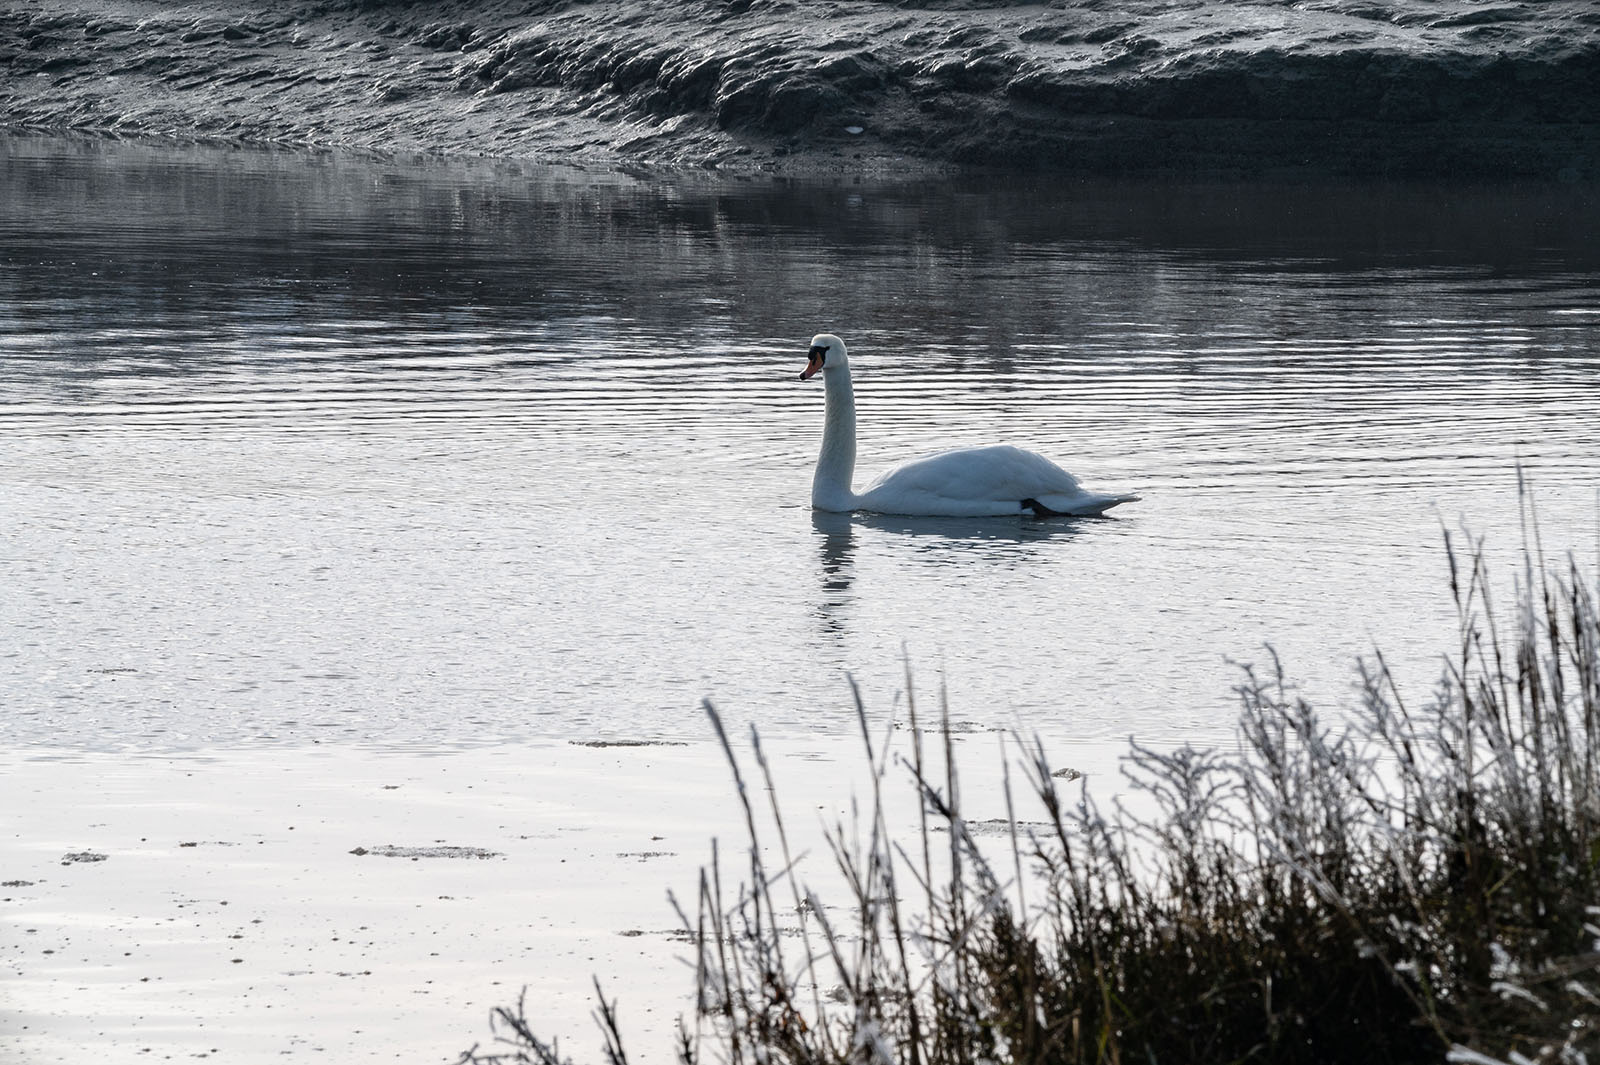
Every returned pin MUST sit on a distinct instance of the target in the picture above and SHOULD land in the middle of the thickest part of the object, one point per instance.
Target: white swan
(968, 482)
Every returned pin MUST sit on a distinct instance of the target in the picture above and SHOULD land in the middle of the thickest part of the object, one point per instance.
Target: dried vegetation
(1411, 883)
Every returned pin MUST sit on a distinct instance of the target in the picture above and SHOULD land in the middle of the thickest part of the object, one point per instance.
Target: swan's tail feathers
(1087, 504)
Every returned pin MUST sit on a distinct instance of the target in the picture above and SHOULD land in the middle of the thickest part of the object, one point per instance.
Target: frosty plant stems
(1409, 882)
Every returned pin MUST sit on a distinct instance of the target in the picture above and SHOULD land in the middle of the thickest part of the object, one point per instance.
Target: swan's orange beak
(813, 363)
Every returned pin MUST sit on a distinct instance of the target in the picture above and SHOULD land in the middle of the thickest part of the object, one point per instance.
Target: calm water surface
(301, 447)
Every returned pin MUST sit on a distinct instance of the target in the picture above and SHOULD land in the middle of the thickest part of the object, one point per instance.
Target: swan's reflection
(929, 542)
(959, 541)
(836, 537)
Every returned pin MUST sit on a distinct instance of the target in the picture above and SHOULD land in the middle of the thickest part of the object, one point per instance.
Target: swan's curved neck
(836, 465)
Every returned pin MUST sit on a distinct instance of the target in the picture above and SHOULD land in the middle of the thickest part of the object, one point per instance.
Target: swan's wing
(988, 474)
(974, 482)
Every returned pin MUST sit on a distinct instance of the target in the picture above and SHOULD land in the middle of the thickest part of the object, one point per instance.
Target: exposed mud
(1403, 87)
(437, 851)
(75, 857)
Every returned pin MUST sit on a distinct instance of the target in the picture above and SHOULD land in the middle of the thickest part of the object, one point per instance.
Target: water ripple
(331, 466)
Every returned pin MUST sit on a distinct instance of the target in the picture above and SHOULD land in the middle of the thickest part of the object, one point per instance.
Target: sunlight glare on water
(411, 453)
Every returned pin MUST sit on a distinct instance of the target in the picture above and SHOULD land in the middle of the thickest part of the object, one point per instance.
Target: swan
(967, 482)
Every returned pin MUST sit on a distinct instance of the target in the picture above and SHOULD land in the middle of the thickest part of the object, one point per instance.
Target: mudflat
(359, 905)
(1400, 88)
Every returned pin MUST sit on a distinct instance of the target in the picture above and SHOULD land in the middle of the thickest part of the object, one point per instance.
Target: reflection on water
(302, 446)
(990, 540)
(924, 543)
(836, 536)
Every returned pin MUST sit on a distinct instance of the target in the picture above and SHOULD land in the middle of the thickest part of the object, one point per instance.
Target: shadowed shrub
(1411, 883)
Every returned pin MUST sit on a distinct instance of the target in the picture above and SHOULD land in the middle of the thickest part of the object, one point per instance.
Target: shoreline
(218, 903)
(229, 915)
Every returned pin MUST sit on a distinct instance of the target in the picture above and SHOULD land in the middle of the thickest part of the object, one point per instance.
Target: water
(307, 448)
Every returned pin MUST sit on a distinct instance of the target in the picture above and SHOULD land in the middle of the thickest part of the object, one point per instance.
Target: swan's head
(827, 352)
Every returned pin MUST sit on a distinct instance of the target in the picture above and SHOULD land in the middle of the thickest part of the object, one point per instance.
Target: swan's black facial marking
(815, 359)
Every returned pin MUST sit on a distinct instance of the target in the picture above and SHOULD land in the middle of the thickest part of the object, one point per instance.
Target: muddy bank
(1340, 87)
(228, 915)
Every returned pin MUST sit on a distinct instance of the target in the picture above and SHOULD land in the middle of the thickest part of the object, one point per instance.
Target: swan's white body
(967, 482)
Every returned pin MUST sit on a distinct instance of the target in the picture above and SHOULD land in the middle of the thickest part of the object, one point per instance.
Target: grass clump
(1406, 884)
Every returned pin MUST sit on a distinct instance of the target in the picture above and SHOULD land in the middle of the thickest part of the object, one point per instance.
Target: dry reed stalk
(1417, 882)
